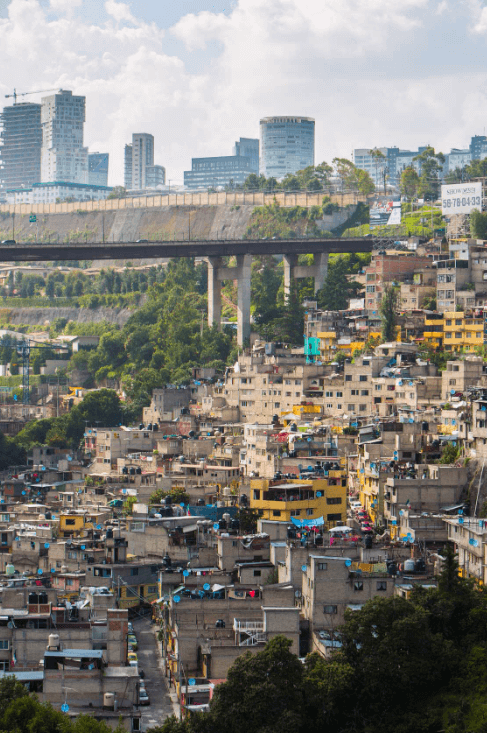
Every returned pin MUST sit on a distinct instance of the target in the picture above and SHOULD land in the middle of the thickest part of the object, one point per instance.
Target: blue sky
(198, 75)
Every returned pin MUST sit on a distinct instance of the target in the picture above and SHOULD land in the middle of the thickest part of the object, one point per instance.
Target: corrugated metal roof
(81, 653)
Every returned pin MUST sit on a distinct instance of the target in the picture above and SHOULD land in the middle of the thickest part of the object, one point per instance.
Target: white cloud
(372, 72)
(64, 6)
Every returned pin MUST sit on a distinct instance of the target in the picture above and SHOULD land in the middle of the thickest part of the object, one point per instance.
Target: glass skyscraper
(287, 145)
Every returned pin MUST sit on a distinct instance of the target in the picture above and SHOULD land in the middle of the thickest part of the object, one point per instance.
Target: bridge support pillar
(318, 270)
(216, 274)
(214, 292)
(244, 263)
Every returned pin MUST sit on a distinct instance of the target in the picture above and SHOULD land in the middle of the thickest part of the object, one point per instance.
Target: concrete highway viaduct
(212, 252)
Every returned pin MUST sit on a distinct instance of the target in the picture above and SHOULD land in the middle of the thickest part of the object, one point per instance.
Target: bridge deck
(42, 251)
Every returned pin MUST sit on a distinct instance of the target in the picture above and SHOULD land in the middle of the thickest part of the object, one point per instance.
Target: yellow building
(461, 332)
(433, 330)
(302, 498)
(134, 595)
(71, 525)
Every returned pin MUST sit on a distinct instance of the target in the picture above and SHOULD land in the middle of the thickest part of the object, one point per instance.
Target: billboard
(461, 198)
(385, 212)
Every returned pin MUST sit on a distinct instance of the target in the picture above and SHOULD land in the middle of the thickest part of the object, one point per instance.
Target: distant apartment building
(386, 268)
(287, 145)
(20, 153)
(98, 169)
(63, 157)
(140, 172)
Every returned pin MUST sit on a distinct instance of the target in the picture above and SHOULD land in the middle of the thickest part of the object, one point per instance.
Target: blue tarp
(318, 522)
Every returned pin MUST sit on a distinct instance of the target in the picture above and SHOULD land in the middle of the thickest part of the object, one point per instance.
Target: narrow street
(161, 705)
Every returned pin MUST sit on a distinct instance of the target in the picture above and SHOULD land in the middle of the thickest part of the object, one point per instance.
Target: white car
(144, 697)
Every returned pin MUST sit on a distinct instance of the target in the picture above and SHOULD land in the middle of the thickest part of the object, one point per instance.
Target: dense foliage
(405, 666)
(24, 713)
(342, 175)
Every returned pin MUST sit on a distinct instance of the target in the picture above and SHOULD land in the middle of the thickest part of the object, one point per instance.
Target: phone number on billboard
(466, 201)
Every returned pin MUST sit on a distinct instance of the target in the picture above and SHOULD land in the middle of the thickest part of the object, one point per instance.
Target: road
(162, 705)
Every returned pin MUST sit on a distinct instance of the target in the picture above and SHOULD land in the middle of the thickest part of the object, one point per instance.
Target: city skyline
(142, 65)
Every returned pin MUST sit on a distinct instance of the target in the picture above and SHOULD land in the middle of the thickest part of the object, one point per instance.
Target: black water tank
(168, 501)
(167, 560)
(391, 567)
(222, 524)
(234, 524)
(149, 427)
(141, 426)
(109, 533)
(179, 530)
(138, 470)
(155, 427)
(220, 624)
(125, 470)
(33, 598)
(42, 597)
(243, 499)
(368, 542)
(201, 502)
(420, 566)
(132, 471)
(191, 434)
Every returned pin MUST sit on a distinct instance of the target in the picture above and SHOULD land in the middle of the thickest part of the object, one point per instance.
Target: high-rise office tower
(20, 153)
(98, 169)
(142, 158)
(287, 145)
(127, 169)
(248, 147)
(63, 156)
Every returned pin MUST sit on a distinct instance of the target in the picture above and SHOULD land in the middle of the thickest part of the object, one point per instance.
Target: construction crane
(24, 94)
(23, 348)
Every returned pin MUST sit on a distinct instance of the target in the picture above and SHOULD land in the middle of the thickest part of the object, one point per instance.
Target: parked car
(144, 697)
(132, 657)
(130, 627)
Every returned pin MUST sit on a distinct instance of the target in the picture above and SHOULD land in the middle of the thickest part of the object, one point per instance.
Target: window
(330, 609)
(382, 585)
(333, 500)
(348, 377)
(69, 582)
(351, 408)
(339, 394)
(378, 387)
(276, 513)
(309, 512)
(354, 392)
(358, 585)
(134, 571)
(322, 566)
(362, 408)
(70, 522)
(257, 573)
(152, 589)
(362, 378)
(333, 517)
(364, 392)
(295, 512)
(4, 644)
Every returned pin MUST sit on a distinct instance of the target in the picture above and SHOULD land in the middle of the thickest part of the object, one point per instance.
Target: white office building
(63, 157)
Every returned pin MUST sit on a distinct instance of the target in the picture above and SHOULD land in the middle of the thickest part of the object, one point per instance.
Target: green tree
(409, 183)
(264, 692)
(478, 224)
(389, 306)
(431, 166)
(118, 192)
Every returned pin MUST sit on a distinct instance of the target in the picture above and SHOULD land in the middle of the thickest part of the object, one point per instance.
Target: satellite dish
(192, 682)
(348, 563)
(65, 707)
(176, 599)
(46, 545)
(39, 572)
(318, 494)
(206, 586)
(297, 594)
(304, 568)
(216, 525)
(185, 573)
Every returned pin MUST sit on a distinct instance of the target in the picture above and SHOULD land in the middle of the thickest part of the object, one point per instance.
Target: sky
(199, 74)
